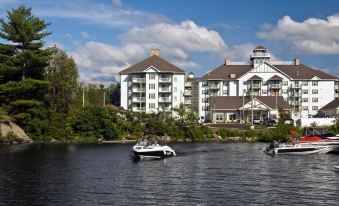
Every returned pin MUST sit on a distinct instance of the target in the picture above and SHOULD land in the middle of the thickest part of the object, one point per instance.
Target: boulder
(8, 128)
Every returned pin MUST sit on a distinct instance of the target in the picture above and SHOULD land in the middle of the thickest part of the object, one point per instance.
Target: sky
(107, 36)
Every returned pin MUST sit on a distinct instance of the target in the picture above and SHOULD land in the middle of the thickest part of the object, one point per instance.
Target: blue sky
(107, 36)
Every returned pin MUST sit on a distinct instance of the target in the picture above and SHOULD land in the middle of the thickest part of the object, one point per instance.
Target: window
(264, 82)
(305, 83)
(174, 79)
(314, 83)
(151, 105)
(225, 92)
(205, 91)
(175, 89)
(151, 96)
(151, 86)
(314, 91)
(264, 91)
(305, 91)
(315, 108)
(204, 108)
(244, 82)
(305, 108)
(285, 83)
(314, 99)
(151, 76)
(305, 99)
(219, 117)
(204, 83)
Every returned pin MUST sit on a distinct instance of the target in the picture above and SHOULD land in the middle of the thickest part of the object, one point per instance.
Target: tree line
(40, 91)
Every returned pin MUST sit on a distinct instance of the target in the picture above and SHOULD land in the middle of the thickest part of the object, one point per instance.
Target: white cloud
(175, 42)
(314, 36)
(115, 15)
(85, 35)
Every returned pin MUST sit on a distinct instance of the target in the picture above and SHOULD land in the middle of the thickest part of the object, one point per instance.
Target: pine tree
(22, 63)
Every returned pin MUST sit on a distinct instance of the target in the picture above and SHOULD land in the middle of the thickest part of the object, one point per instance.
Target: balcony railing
(296, 103)
(164, 108)
(188, 84)
(297, 86)
(164, 99)
(275, 86)
(188, 101)
(165, 89)
(139, 99)
(213, 86)
(260, 55)
(296, 94)
(139, 109)
(139, 80)
(188, 93)
(256, 86)
(165, 80)
(137, 89)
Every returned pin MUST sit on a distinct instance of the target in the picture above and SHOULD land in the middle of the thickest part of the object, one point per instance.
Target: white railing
(188, 101)
(188, 84)
(139, 80)
(187, 93)
(165, 80)
(139, 109)
(139, 99)
(275, 86)
(213, 86)
(164, 99)
(260, 55)
(256, 86)
(165, 89)
(136, 89)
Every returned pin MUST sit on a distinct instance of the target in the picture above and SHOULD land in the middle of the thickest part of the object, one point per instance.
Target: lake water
(200, 174)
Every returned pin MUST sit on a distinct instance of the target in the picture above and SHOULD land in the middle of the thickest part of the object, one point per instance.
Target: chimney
(155, 52)
(227, 62)
(297, 61)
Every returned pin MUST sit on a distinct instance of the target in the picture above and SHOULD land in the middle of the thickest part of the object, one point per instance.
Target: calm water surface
(201, 174)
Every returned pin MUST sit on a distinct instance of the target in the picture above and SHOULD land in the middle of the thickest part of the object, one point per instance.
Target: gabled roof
(236, 102)
(223, 72)
(255, 77)
(303, 72)
(332, 105)
(275, 77)
(153, 61)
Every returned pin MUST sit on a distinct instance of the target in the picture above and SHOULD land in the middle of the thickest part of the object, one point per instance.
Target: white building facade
(305, 89)
(152, 85)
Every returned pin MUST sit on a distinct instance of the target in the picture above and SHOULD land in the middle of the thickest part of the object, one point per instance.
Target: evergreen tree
(22, 63)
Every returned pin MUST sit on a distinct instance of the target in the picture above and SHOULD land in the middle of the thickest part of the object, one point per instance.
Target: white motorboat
(151, 150)
(336, 168)
(279, 148)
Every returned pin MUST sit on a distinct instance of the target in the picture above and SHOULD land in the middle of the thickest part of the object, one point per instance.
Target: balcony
(188, 93)
(165, 89)
(294, 103)
(188, 101)
(165, 99)
(165, 108)
(296, 86)
(255, 86)
(139, 89)
(260, 55)
(165, 80)
(188, 84)
(296, 94)
(275, 86)
(139, 80)
(213, 86)
(139, 109)
(139, 99)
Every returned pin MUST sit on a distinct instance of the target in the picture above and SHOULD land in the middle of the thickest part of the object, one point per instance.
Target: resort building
(305, 89)
(331, 109)
(152, 85)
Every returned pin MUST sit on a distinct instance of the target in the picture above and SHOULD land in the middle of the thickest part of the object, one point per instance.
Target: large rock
(8, 128)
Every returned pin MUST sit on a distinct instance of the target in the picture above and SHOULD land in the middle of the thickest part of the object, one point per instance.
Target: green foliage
(283, 115)
(62, 74)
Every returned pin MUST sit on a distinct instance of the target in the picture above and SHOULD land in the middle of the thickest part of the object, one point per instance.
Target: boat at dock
(281, 148)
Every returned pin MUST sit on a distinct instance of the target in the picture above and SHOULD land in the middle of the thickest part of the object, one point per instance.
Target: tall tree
(23, 62)
(62, 74)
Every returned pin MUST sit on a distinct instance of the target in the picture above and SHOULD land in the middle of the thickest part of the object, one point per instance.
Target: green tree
(283, 115)
(62, 74)
(23, 61)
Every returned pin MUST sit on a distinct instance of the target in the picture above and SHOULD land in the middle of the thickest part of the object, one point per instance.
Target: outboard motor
(274, 144)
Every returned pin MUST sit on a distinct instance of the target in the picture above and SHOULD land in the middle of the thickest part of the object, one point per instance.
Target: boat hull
(303, 150)
(152, 153)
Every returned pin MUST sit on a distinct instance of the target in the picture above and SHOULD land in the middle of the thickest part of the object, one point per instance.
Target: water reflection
(201, 173)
